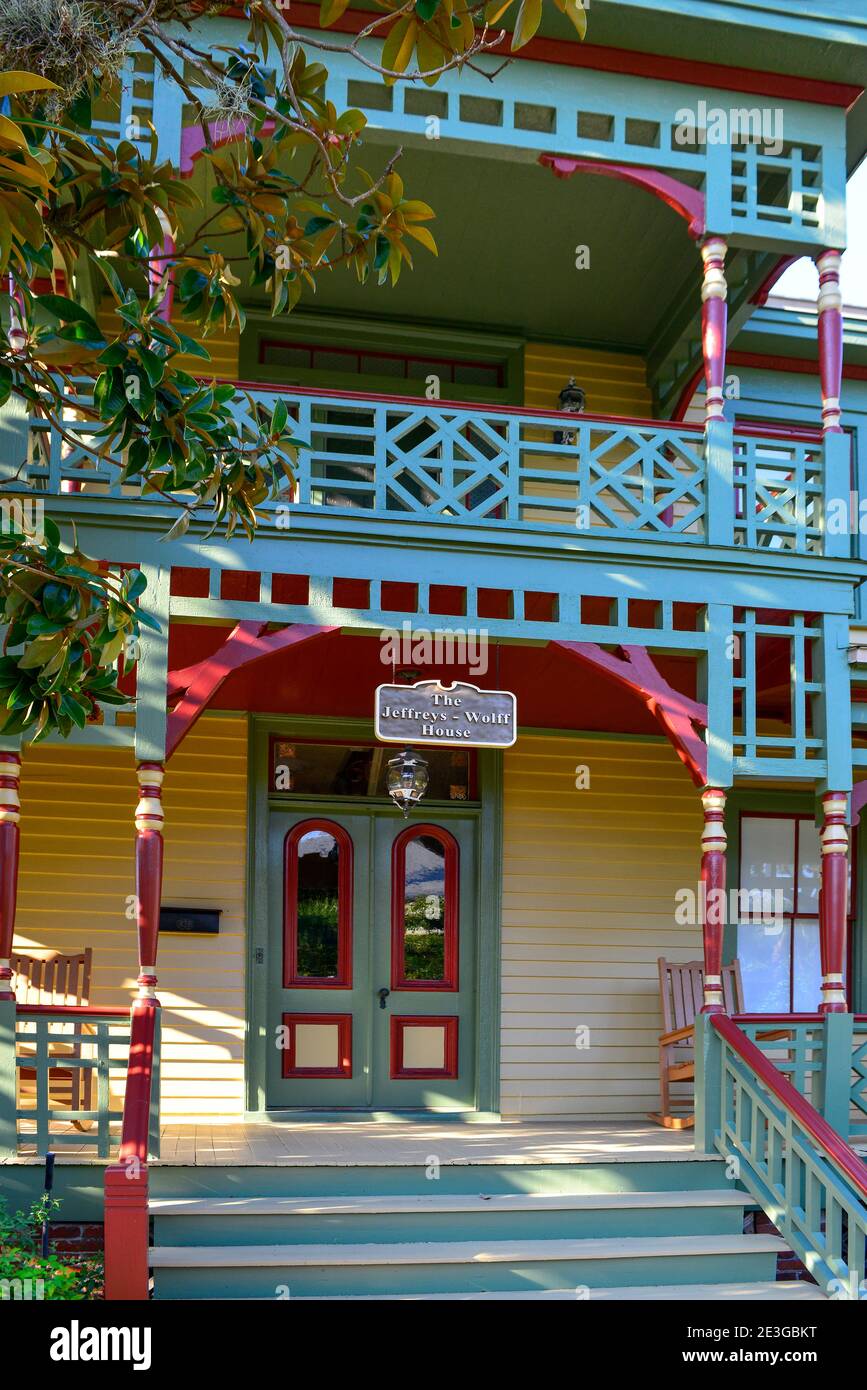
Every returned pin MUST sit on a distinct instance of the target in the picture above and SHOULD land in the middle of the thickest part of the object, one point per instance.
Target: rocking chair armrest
(677, 1035)
(774, 1035)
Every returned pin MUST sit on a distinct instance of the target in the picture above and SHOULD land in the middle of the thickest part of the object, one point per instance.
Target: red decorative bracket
(857, 802)
(684, 721)
(197, 685)
(688, 202)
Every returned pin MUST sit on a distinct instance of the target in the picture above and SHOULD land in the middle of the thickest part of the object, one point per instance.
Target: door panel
(424, 954)
(371, 962)
(319, 961)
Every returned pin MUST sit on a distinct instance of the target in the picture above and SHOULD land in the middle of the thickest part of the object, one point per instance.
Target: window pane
(809, 867)
(334, 769)
(768, 860)
(424, 909)
(807, 968)
(318, 906)
(764, 954)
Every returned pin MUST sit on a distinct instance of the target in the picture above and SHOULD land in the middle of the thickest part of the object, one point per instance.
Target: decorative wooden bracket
(688, 202)
(857, 802)
(684, 721)
(198, 684)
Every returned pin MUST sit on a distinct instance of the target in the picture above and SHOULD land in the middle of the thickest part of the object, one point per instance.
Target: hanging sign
(431, 713)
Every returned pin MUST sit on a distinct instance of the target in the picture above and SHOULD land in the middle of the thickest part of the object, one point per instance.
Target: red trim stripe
(662, 67)
(805, 365)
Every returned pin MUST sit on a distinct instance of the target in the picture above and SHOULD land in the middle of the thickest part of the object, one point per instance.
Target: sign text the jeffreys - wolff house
(446, 714)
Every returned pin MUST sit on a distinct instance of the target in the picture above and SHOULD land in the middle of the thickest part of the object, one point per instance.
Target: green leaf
(42, 650)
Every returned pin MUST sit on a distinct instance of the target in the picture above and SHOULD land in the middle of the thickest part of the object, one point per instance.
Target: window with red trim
(425, 882)
(317, 919)
(778, 912)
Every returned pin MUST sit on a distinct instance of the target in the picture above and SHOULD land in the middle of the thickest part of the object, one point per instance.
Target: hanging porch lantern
(407, 780)
(571, 401)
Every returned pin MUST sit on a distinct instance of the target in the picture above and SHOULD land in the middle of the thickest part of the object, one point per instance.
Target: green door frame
(489, 873)
(798, 801)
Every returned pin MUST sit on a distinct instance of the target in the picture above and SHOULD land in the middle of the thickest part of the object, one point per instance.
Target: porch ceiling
(507, 234)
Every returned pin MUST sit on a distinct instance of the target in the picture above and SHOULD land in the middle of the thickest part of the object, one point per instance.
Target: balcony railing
(406, 460)
(60, 1066)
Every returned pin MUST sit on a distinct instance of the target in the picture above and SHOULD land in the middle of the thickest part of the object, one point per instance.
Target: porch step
(793, 1291)
(384, 1218)
(459, 1267)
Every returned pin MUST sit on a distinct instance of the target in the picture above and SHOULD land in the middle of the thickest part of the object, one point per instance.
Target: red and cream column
(713, 879)
(833, 902)
(830, 306)
(714, 323)
(149, 821)
(10, 814)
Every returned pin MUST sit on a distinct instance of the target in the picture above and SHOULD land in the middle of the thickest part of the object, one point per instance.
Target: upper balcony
(744, 150)
(485, 474)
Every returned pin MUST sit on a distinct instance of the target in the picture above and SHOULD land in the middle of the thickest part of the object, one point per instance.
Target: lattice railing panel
(778, 494)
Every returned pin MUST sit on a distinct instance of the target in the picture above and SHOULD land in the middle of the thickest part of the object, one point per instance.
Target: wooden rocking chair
(681, 995)
(52, 978)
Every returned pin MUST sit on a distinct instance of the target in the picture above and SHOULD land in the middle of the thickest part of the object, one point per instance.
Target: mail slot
(191, 920)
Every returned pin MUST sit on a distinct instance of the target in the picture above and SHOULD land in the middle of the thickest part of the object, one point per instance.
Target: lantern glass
(407, 780)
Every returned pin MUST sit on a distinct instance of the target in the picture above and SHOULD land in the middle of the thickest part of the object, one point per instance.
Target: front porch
(364, 1141)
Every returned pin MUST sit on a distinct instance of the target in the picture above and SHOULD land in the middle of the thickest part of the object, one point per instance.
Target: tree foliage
(85, 222)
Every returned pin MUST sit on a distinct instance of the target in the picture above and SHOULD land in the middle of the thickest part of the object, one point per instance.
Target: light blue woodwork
(796, 1180)
(42, 1044)
(611, 479)
(683, 129)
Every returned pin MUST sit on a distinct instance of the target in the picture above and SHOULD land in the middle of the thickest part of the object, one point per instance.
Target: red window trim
(852, 915)
(449, 1024)
(451, 924)
(291, 978)
(344, 1046)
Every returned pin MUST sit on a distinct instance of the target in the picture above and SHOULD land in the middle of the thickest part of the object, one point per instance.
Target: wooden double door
(372, 961)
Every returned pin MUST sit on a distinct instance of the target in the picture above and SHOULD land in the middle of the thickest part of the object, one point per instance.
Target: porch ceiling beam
(683, 720)
(198, 684)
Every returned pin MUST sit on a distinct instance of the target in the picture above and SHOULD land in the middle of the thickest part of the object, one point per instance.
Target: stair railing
(799, 1169)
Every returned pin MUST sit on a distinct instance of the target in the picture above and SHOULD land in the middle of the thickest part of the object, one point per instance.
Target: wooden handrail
(476, 407)
(70, 1011)
(800, 433)
(818, 1128)
(778, 1018)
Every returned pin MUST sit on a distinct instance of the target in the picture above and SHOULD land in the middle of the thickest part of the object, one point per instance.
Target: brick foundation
(789, 1267)
(77, 1238)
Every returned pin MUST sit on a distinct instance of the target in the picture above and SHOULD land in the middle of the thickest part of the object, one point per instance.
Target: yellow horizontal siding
(78, 875)
(615, 382)
(589, 885)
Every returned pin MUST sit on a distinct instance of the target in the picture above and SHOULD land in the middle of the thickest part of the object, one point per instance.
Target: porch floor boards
(354, 1142)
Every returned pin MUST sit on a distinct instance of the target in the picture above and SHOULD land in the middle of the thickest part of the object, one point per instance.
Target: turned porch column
(148, 873)
(830, 306)
(713, 879)
(714, 323)
(833, 902)
(10, 776)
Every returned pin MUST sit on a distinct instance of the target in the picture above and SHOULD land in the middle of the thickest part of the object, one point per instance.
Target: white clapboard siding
(589, 886)
(77, 881)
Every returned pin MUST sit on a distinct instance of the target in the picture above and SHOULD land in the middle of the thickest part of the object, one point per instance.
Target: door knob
(383, 995)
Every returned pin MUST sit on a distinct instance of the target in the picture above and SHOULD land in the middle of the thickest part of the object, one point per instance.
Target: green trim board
(488, 880)
(445, 340)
